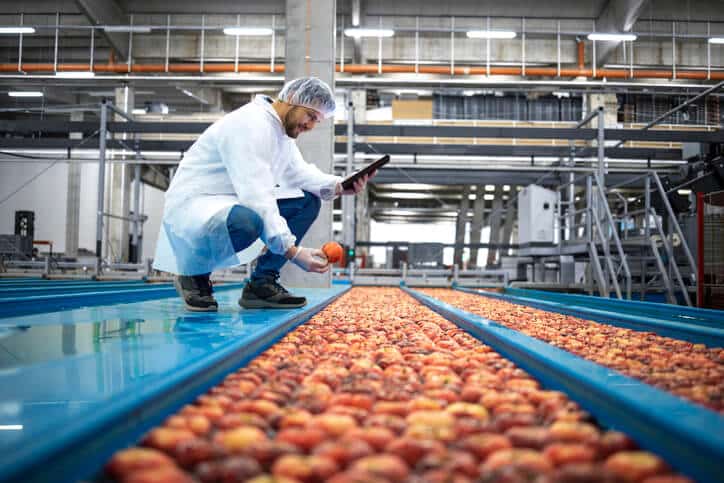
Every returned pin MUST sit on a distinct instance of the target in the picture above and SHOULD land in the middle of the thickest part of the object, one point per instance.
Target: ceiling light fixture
(25, 94)
(360, 32)
(70, 74)
(16, 30)
(127, 28)
(247, 31)
(613, 37)
(11, 427)
(716, 40)
(491, 34)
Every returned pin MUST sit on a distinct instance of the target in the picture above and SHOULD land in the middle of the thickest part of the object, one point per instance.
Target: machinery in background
(536, 214)
(19, 246)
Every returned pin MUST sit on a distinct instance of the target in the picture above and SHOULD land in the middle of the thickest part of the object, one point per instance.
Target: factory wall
(46, 196)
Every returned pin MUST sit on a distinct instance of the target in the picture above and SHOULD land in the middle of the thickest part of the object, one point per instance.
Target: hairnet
(309, 92)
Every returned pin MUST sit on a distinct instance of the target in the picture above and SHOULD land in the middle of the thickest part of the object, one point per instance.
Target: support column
(362, 217)
(119, 192)
(310, 50)
(510, 216)
(609, 102)
(72, 207)
(495, 217)
(476, 225)
(460, 225)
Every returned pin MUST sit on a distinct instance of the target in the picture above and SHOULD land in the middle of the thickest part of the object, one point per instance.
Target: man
(243, 187)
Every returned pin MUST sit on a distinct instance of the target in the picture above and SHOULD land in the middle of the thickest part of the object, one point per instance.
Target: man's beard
(289, 128)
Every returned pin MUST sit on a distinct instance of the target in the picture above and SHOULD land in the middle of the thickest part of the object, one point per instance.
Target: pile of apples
(377, 388)
(691, 371)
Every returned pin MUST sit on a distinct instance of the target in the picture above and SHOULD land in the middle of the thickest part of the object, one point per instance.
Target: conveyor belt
(659, 311)
(699, 333)
(688, 436)
(95, 378)
(95, 295)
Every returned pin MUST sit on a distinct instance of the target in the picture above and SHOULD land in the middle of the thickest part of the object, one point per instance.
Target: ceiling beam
(107, 12)
(618, 16)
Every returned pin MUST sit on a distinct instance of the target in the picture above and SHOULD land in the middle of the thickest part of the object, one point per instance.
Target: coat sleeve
(306, 176)
(246, 150)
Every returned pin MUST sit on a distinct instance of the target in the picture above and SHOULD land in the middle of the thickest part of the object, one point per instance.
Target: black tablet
(348, 182)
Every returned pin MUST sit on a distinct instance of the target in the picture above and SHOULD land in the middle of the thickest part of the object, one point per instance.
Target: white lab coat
(245, 158)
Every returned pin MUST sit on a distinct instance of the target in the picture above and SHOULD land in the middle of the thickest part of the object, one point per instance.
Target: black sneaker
(196, 292)
(268, 294)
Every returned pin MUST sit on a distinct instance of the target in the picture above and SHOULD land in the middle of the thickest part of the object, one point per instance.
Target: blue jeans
(245, 226)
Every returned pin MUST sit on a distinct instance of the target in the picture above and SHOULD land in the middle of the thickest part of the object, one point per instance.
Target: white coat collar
(263, 101)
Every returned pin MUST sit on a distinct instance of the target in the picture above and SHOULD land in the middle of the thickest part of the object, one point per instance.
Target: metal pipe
(589, 208)
(194, 68)
(601, 145)
(20, 45)
(55, 43)
(558, 48)
(700, 249)
(120, 112)
(581, 54)
(348, 202)
(588, 118)
(101, 181)
(670, 211)
(136, 207)
(647, 230)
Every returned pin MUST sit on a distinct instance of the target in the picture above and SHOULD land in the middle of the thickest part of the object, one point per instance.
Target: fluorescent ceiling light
(488, 197)
(491, 34)
(138, 112)
(25, 94)
(611, 37)
(684, 192)
(358, 32)
(17, 30)
(69, 74)
(716, 40)
(261, 31)
(11, 427)
(127, 28)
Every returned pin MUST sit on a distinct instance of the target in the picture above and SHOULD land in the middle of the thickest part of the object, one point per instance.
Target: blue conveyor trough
(79, 381)
(700, 326)
(688, 436)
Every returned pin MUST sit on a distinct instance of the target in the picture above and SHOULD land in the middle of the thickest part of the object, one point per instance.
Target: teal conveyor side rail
(696, 333)
(688, 436)
(16, 306)
(670, 312)
(76, 411)
(41, 282)
(34, 291)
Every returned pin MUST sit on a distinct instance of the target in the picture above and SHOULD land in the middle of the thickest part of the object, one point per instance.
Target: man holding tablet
(243, 188)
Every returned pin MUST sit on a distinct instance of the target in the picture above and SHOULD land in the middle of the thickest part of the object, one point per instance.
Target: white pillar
(310, 51)
(72, 210)
(119, 192)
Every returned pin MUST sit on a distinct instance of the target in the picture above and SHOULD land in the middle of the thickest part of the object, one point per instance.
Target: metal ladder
(667, 273)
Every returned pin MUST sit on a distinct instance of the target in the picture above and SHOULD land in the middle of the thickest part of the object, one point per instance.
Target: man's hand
(309, 259)
(357, 186)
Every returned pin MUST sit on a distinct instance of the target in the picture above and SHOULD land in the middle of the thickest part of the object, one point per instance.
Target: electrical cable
(33, 178)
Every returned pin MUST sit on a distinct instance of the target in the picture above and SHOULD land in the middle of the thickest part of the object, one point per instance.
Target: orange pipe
(195, 68)
(581, 53)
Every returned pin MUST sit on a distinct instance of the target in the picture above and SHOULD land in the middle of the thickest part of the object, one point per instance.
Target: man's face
(300, 119)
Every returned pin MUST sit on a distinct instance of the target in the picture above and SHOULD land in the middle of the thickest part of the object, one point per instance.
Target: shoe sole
(200, 309)
(180, 293)
(263, 304)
